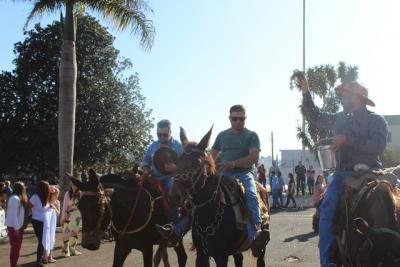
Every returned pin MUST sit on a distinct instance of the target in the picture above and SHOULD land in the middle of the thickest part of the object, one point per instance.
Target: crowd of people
(42, 209)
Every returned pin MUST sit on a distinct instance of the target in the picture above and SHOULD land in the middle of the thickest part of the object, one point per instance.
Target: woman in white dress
(50, 224)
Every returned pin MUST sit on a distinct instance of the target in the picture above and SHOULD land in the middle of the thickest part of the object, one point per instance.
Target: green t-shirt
(234, 146)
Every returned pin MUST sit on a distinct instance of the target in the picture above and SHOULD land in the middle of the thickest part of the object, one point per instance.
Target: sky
(209, 55)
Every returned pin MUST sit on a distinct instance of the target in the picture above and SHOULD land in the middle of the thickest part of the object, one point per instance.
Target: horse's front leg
(260, 259)
(147, 252)
(238, 258)
(202, 260)
(161, 253)
(181, 254)
(120, 254)
(221, 261)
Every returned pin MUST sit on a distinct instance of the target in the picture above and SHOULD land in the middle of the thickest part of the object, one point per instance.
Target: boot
(65, 249)
(167, 233)
(258, 245)
(73, 243)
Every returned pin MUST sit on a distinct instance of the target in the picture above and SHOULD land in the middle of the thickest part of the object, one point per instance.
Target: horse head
(94, 205)
(193, 167)
(381, 246)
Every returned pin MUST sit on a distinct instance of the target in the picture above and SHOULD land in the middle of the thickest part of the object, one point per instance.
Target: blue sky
(209, 55)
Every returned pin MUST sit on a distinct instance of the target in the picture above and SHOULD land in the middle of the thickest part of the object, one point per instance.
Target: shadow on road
(301, 238)
(290, 210)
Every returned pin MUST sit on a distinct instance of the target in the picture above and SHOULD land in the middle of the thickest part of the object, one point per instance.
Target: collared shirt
(366, 133)
(148, 157)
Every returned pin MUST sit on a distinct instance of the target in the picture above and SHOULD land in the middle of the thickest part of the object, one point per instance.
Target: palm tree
(122, 14)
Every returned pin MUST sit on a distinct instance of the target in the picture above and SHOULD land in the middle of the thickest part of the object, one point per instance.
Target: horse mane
(212, 167)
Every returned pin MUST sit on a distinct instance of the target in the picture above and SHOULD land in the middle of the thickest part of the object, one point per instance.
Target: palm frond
(127, 14)
(42, 6)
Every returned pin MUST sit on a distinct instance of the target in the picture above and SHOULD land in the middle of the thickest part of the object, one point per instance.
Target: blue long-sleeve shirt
(148, 157)
(366, 133)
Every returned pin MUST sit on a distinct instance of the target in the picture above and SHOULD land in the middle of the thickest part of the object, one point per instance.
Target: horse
(133, 209)
(197, 187)
(370, 221)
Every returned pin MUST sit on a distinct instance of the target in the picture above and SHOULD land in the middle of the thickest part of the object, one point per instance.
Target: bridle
(195, 178)
(104, 201)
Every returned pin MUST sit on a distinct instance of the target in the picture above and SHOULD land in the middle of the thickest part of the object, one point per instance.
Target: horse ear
(93, 179)
(76, 182)
(205, 141)
(112, 181)
(182, 135)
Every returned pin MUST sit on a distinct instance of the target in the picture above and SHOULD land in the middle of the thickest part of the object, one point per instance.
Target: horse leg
(221, 261)
(238, 258)
(260, 259)
(181, 254)
(202, 260)
(120, 254)
(161, 253)
(147, 253)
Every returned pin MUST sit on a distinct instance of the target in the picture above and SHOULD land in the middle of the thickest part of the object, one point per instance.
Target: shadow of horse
(302, 237)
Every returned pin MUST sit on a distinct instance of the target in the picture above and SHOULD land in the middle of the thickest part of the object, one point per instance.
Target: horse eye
(199, 161)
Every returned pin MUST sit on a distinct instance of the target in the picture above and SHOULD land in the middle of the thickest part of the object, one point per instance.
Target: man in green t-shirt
(236, 150)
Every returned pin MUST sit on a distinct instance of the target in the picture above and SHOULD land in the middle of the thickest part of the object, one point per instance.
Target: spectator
(15, 220)
(276, 189)
(8, 188)
(261, 175)
(320, 188)
(310, 180)
(3, 195)
(39, 203)
(272, 171)
(300, 171)
(70, 220)
(281, 188)
(291, 191)
(50, 224)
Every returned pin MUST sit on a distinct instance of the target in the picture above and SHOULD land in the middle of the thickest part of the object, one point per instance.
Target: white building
(291, 157)
(394, 133)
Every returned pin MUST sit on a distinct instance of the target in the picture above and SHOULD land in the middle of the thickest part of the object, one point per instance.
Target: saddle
(232, 193)
(356, 187)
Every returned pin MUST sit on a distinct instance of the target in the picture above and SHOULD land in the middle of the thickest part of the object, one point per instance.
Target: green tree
(112, 123)
(323, 81)
(123, 14)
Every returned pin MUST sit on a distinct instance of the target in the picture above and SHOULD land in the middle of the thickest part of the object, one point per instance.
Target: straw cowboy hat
(355, 88)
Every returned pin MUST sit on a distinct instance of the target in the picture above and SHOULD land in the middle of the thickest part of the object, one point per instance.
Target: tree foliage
(112, 121)
(323, 81)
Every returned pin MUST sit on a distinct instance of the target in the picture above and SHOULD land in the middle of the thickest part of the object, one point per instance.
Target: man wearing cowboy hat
(359, 138)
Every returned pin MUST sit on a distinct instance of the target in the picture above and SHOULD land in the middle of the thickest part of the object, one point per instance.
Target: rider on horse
(165, 139)
(360, 137)
(236, 150)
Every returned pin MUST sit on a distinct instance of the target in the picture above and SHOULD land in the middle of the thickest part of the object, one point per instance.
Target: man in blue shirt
(165, 139)
(360, 136)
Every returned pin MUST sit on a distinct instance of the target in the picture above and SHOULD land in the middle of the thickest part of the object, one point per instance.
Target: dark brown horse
(133, 209)
(370, 233)
(198, 188)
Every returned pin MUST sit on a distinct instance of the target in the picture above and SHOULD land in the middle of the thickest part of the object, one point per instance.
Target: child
(50, 224)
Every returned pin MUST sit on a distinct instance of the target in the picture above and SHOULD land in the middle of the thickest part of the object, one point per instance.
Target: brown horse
(133, 209)
(198, 188)
(369, 235)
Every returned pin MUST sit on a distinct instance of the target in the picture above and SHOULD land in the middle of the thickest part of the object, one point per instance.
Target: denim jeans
(327, 214)
(247, 179)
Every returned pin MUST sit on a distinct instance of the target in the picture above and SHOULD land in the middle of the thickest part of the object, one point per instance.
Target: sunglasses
(162, 134)
(241, 119)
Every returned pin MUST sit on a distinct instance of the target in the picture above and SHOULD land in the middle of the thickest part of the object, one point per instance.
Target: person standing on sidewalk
(38, 203)
(15, 220)
(310, 180)
(300, 171)
(50, 224)
(291, 191)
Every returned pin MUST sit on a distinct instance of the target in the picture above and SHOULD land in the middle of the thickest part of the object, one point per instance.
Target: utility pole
(272, 145)
(303, 125)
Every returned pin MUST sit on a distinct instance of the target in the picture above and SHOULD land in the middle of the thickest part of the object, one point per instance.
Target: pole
(272, 145)
(303, 125)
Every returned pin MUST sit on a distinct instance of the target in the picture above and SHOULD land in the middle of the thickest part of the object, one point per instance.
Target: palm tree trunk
(67, 99)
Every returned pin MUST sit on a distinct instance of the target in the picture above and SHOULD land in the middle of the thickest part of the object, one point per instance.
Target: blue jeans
(247, 179)
(327, 214)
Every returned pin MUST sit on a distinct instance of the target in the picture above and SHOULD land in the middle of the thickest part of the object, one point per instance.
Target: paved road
(291, 238)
